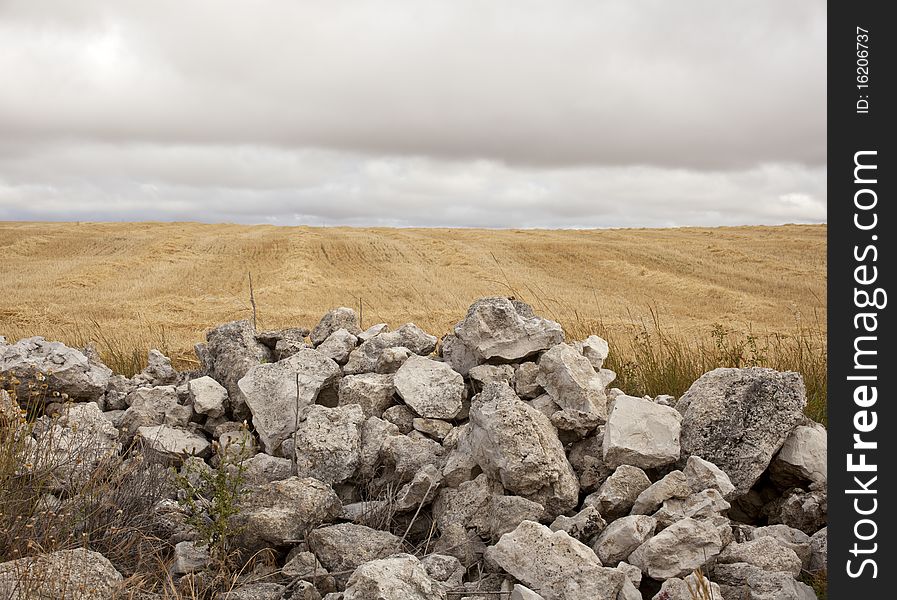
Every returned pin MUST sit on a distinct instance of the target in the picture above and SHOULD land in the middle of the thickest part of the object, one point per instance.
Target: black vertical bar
(861, 226)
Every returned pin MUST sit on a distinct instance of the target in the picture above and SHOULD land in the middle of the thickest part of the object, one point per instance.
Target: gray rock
(154, 406)
(401, 416)
(526, 382)
(517, 445)
(641, 433)
(572, 383)
(435, 428)
(305, 566)
(804, 510)
(702, 475)
(256, 591)
(461, 358)
(802, 458)
(795, 539)
(560, 567)
(399, 577)
(292, 334)
(275, 392)
(338, 318)
(688, 589)
(483, 374)
(521, 592)
(391, 359)
(65, 371)
(344, 547)
(618, 493)
(444, 568)
(678, 550)
(420, 490)
(235, 447)
(586, 457)
(158, 371)
(275, 513)
(673, 485)
(174, 444)
(233, 350)
(702, 504)
(764, 552)
(78, 574)
(739, 418)
(818, 551)
(595, 349)
(189, 558)
(328, 442)
(374, 432)
(364, 358)
(372, 391)
(338, 346)
(372, 331)
(584, 525)
(623, 536)
(264, 468)
(209, 397)
(403, 456)
(506, 329)
(432, 389)
(741, 580)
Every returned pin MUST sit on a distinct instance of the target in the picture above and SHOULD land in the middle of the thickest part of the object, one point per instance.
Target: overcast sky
(498, 113)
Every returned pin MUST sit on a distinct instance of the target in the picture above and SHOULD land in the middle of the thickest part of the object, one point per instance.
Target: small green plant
(211, 498)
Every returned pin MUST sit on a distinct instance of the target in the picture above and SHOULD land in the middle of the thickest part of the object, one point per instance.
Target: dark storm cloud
(526, 113)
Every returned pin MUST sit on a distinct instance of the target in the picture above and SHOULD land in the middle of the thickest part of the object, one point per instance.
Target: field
(733, 295)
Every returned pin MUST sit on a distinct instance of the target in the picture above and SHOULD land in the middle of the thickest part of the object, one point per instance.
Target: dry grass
(140, 285)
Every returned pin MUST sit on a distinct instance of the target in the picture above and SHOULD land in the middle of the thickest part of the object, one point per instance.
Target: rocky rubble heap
(494, 463)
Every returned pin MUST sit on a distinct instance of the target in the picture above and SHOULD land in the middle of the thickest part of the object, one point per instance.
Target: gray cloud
(523, 113)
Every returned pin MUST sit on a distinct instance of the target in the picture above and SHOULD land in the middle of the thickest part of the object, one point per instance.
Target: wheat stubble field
(131, 286)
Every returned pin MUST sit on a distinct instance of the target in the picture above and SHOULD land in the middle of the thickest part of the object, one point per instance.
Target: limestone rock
(802, 457)
(435, 428)
(560, 567)
(338, 346)
(274, 513)
(233, 350)
(401, 416)
(264, 468)
(172, 443)
(62, 369)
(572, 383)
(619, 492)
(517, 445)
(344, 547)
(399, 577)
(461, 358)
(703, 504)
(154, 406)
(275, 392)
(391, 359)
(365, 357)
(371, 391)
(158, 371)
(739, 418)
(595, 349)
(795, 539)
(623, 536)
(334, 320)
(678, 550)
(688, 589)
(257, 591)
(804, 510)
(431, 388)
(702, 475)
(328, 442)
(78, 574)
(507, 329)
(583, 526)
(372, 331)
(741, 580)
(764, 552)
(586, 457)
(189, 558)
(673, 485)
(526, 380)
(641, 433)
(209, 397)
(374, 432)
(818, 551)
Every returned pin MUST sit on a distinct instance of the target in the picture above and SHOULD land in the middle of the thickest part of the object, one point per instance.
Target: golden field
(142, 285)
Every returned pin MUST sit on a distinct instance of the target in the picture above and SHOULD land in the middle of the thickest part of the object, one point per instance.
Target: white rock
(275, 392)
(702, 475)
(372, 391)
(688, 589)
(572, 383)
(595, 349)
(764, 552)
(209, 397)
(673, 485)
(64, 370)
(399, 577)
(619, 492)
(78, 574)
(174, 443)
(431, 388)
(678, 550)
(328, 442)
(338, 346)
(623, 536)
(641, 433)
(336, 319)
(802, 457)
(508, 329)
(521, 592)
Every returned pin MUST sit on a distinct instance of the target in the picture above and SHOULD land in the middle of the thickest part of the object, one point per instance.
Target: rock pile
(493, 463)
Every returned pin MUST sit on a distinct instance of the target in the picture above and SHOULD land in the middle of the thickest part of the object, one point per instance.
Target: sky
(461, 113)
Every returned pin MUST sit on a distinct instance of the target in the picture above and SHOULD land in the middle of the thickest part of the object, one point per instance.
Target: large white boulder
(641, 433)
